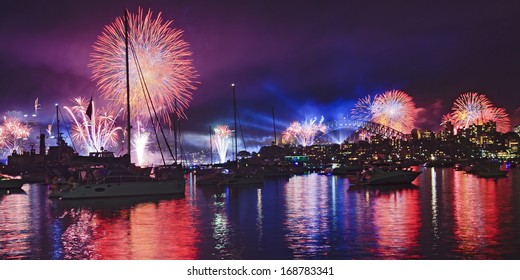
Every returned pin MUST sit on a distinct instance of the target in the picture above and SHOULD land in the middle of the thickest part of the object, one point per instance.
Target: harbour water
(445, 214)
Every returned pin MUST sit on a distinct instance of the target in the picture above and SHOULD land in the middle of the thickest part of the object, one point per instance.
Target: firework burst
(476, 108)
(395, 109)
(500, 117)
(222, 133)
(11, 133)
(160, 53)
(363, 109)
(445, 119)
(91, 135)
(304, 134)
(469, 108)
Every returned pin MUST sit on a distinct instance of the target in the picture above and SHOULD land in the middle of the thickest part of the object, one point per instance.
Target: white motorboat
(492, 173)
(242, 179)
(346, 169)
(378, 176)
(11, 184)
(211, 178)
(8, 182)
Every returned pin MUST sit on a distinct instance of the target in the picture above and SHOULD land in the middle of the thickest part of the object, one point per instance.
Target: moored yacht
(242, 176)
(123, 179)
(378, 176)
(491, 171)
(118, 183)
(492, 174)
(346, 169)
(242, 179)
(9, 182)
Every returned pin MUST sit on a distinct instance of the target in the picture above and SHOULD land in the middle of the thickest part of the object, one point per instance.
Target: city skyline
(304, 61)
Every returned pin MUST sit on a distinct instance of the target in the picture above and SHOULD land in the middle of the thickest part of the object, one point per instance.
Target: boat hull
(403, 178)
(242, 181)
(126, 189)
(11, 184)
(492, 174)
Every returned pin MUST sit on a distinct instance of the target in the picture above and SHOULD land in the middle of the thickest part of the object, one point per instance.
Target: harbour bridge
(368, 127)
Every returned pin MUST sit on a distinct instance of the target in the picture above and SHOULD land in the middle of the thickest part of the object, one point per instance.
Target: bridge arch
(371, 127)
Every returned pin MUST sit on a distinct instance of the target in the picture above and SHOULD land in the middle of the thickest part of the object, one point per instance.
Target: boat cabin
(102, 154)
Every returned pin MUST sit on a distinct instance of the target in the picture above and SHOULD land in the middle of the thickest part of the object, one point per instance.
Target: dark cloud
(430, 116)
(515, 117)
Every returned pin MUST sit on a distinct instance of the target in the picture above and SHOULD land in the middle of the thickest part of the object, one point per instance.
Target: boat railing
(117, 179)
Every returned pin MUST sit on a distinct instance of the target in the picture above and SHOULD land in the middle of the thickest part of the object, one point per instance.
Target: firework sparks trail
(92, 135)
(476, 108)
(305, 133)
(11, 132)
(363, 109)
(500, 117)
(393, 108)
(445, 119)
(140, 142)
(469, 108)
(222, 133)
(163, 57)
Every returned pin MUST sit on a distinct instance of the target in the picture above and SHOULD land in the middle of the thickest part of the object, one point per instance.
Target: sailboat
(241, 175)
(102, 182)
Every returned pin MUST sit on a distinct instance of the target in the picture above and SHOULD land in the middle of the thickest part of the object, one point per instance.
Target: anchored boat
(378, 176)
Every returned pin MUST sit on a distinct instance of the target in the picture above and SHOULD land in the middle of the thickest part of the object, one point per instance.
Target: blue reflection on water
(55, 235)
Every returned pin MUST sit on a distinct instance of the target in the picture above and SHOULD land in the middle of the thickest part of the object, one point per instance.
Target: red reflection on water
(397, 222)
(15, 241)
(111, 236)
(478, 204)
(153, 230)
(164, 231)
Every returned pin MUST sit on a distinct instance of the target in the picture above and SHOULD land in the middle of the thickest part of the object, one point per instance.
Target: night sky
(302, 58)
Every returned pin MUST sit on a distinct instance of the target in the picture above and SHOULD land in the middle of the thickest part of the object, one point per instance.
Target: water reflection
(479, 205)
(166, 230)
(78, 240)
(308, 200)
(397, 220)
(221, 227)
(434, 209)
(390, 220)
(446, 215)
(259, 216)
(15, 241)
(128, 228)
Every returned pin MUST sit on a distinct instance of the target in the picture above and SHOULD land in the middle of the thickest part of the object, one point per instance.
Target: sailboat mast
(58, 129)
(274, 126)
(128, 125)
(57, 126)
(210, 147)
(175, 131)
(235, 114)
